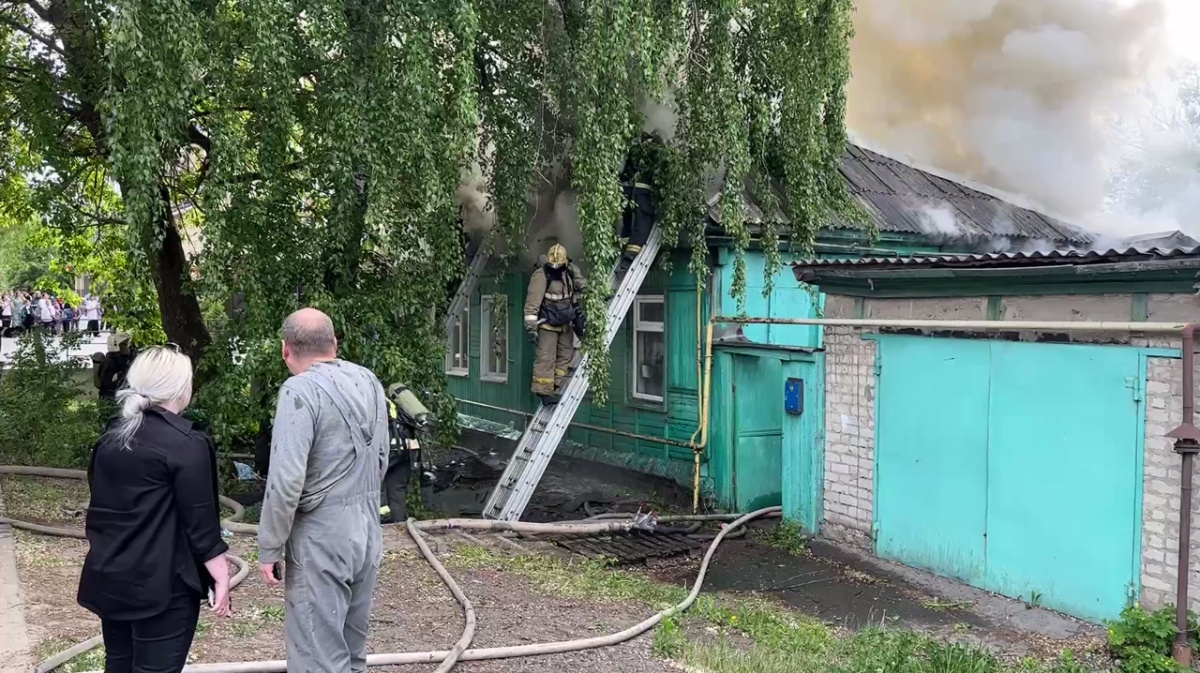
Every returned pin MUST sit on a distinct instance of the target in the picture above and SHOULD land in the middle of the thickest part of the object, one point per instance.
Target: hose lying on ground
(447, 659)
(232, 524)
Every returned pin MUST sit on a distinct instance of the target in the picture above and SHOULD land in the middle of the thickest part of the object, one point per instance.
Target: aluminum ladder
(544, 432)
(467, 285)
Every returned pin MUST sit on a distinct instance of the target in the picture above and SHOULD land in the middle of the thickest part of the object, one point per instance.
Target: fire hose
(445, 658)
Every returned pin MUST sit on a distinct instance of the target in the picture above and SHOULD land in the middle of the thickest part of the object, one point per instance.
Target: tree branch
(17, 25)
(100, 220)
(42, 12)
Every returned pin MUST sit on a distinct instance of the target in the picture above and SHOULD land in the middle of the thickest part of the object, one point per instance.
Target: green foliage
(789, 537)
(47, 414)
(669, 638)
(1142, 641)
(315, 146)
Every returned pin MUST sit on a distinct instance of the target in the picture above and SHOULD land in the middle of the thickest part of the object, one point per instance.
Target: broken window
(648, 348)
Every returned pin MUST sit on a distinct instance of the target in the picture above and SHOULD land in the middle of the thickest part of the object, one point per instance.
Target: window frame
(486, 303)
(652, 327)
(463, 327)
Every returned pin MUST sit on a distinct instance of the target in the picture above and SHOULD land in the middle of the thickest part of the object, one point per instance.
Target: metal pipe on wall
(588, 426)
(1187, 444)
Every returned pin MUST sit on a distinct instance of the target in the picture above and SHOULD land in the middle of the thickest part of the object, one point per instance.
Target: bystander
(328, 450)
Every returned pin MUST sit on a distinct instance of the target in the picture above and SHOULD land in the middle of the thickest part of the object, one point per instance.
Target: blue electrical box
(793, 396)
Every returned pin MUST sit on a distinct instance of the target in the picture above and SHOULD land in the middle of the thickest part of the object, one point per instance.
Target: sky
(1183, 25)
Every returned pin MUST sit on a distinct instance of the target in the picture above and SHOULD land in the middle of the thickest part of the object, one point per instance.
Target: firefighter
(638, 218)
(406, 418)
(552, 313)
(110, 370)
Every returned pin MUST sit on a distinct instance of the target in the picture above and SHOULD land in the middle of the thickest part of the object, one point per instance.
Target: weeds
(669, 639)
(1142, 641)
(48, 415)
(415, 504)
(789, 537)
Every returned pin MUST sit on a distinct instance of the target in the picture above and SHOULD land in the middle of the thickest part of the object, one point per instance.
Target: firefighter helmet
(556, 257)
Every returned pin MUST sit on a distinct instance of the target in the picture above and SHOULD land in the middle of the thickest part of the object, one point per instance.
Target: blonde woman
(153, 522)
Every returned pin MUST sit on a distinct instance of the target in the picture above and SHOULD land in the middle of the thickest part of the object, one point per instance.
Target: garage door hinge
(1138, 386)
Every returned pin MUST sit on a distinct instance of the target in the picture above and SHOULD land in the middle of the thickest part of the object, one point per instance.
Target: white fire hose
(445, 658)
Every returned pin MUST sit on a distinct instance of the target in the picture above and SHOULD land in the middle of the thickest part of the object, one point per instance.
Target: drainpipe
(1187, 445)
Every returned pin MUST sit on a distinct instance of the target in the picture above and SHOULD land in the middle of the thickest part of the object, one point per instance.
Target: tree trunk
(181, 317)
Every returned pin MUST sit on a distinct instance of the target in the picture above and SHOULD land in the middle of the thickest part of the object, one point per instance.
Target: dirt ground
(414, 611)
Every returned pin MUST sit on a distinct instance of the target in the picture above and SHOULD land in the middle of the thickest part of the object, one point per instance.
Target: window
(493, 338)
(648, 348)
(458, 359)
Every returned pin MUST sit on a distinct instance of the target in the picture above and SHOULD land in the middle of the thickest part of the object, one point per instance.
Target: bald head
(308, 333)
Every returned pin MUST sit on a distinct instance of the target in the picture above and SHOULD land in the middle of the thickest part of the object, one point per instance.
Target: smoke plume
(475, 205)
(1017, 94)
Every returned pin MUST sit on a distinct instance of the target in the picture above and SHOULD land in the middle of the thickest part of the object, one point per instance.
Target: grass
(752, 634)
(92, 660)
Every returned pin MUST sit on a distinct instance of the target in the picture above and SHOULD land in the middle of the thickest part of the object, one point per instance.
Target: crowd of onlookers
(21, 310)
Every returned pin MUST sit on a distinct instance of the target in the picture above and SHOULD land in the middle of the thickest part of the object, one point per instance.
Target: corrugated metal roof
(1011, 259)
(903, 199)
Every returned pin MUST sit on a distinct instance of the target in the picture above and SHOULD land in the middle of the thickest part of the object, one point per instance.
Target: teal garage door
(1013, 467)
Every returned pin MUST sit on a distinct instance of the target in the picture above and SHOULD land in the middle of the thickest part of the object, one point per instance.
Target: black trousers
(157, 644)
(395, 483)
(94, 327)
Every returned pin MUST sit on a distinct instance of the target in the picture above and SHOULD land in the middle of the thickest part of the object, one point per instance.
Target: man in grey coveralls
(329, 447)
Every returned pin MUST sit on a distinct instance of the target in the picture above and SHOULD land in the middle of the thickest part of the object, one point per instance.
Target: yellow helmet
(557, 256)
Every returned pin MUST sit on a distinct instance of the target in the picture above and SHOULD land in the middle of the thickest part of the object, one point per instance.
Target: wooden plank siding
(676, 417)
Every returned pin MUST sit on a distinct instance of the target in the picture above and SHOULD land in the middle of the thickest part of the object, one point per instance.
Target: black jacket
(153, 520)
(113, 369)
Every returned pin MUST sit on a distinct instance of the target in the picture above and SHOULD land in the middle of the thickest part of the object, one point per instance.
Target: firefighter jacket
(550, 302)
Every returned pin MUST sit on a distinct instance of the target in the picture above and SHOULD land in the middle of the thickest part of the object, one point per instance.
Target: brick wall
(850, 427)
(850, 436)
(1160, 498)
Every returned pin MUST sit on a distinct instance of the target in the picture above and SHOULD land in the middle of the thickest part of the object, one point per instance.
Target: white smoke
(939, 219)
(1017, 94)
(479, 216)
(660, 117)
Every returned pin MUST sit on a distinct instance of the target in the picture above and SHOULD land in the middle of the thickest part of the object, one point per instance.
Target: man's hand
(268, 574)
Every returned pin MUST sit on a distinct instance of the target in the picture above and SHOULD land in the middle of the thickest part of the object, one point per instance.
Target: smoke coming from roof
(550, 207)
(1017, 94)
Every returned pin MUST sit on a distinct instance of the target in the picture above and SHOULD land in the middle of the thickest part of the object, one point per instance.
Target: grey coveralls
(334, 545)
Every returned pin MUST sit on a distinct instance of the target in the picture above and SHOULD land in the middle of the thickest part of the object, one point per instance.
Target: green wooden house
(655, 392)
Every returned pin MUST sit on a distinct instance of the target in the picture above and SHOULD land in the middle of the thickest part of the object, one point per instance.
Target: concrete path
(15, 656)
(89, 346)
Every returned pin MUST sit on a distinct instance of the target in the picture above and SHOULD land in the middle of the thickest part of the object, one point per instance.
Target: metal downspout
(1187, 444)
